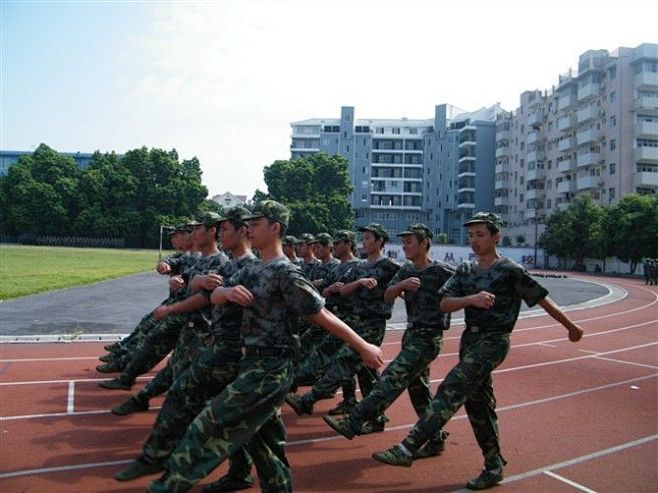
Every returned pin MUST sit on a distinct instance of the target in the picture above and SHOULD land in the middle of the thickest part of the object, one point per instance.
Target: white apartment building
(596, 132)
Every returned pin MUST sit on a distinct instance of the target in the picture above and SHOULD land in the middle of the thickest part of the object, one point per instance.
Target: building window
(613, 96)
(613, 121)
(611, 193)
(612, 168)
(613, 144)
(396, 130)
(379, 130)
(413, 131)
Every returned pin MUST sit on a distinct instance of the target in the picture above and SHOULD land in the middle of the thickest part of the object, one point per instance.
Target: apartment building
(596, 132)
(435, 171)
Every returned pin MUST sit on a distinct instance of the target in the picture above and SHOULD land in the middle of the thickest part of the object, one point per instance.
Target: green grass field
(31, 269)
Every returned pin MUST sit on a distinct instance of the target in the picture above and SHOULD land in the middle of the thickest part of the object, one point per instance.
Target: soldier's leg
(150, 351)
(406, 369)
(481, 410)
(205, 379)
(479, 356)
(267, 447)
(318, 360)
(228, 422)
(140, 401)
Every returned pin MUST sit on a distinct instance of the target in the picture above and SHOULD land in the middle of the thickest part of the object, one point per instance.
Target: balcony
(590, 158)
(647, 129)
(534, 156)
(588, 182)
(535, 119)
(534, 174)
(502, 151)
(467, 143)
(465, 159)
(502, 168)
(530, 213)
(566, 144)
(588, 91)
(587, 114)
(566, 186)
(532, 138)
(466, 205)
(565, 166)
(587, 136)
(566, 101)
(501, 201)
(648, 105)
(565, 123)
(562, 206)
(645, 179)
(501, 184)
(502, 135)
(646, 154)
(646, 81)
(535, 193)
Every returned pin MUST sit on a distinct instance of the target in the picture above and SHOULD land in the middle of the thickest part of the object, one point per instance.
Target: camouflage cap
(345, 235)
(486, 218)
(271, 210)
(306, 238)
(376, 228)
(289, 240)
(419, 230)
(207, 218)
(236, 214)
(181, 228)
(324, 238)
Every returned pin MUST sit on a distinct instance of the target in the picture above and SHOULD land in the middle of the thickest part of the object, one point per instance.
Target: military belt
(418, 325)
(476, 329)
(267, 352)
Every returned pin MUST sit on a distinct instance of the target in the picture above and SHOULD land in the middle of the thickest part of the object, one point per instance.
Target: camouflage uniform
(421, 344)
(484, 345)
(313, 334)
(216, 367)
(248, 409)
(371, 313)
(179, 264)
(184, 331)
(341, 306)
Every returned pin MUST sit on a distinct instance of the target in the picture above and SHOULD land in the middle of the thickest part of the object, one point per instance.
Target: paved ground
(115, 307)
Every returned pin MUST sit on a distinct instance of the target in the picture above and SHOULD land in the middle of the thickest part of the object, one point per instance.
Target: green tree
(634, 229)
(40, 194)
(316, 188)
(442, 239)
(520, 240)
(574, 232)
(507, 241)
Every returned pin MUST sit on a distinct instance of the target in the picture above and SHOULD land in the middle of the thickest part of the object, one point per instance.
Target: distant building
(8, 158)
(228, 200)
(595, 133)
(436, 171)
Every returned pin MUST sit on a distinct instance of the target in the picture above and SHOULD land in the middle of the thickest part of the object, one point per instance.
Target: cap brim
(405, 233)
(480, 221)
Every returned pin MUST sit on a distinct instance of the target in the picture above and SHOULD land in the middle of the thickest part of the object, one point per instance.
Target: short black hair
(284, 227)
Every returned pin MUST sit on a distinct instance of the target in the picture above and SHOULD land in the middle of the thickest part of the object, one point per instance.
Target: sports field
(34, 269)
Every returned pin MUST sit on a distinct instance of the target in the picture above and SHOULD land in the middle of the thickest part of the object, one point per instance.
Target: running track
(573, 417)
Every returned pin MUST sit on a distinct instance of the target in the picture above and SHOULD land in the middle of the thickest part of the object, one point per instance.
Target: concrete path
(116, 306)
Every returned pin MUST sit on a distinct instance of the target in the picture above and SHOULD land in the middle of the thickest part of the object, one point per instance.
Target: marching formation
(246, 330)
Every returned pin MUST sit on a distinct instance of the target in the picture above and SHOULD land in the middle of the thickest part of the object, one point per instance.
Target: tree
(520, 240)
(442, 239)
(634, 229)
(507, 241)
(573, 233)
(316, 188)
(40, 194)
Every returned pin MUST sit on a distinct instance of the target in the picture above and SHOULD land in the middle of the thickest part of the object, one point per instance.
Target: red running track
(573, 417)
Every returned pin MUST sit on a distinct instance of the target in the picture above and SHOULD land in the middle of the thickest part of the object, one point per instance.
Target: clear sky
(222, 80)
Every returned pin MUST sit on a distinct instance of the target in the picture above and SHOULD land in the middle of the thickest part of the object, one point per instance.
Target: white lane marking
(578, 486)
(71, 397)
(632, 363)
(442, 355)
(35, 360)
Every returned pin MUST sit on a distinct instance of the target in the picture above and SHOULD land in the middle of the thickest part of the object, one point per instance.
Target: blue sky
(223, 80)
